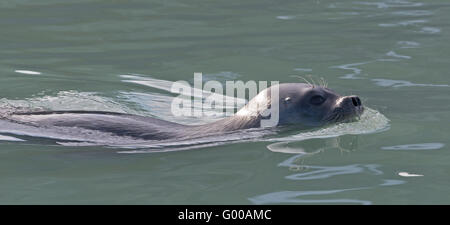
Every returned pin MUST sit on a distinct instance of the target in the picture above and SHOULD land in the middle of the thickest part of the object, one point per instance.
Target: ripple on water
(394, 54)
(286, 17)
(29, 72)
(390, 182)
(413, 13)
(408, 44)
(403, 83)
(406, 174)
(391, 4)
(352, 67)
(430, 30)
(421, 146)
(370, 122)
(292, 197)
(323, 172)
(402, 23)
(167, 86)
(220, 76)
(303, 69)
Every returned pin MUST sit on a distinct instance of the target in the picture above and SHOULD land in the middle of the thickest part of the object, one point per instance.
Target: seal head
(305, 104)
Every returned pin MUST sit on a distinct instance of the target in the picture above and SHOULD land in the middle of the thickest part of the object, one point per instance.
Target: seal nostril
(354, 101)
(358, 101)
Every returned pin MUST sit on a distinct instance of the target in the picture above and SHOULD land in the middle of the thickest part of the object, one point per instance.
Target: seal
(300, 104)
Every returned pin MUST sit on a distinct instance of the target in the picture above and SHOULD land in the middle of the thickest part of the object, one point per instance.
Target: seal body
(298, 103)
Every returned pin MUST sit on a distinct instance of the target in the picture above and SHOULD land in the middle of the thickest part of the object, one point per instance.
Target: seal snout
(352, 105)
(356, 102)
(351, 101)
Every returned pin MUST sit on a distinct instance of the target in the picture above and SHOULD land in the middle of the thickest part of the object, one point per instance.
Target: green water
(394, 54)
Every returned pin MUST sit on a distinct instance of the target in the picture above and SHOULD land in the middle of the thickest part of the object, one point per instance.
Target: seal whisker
(312, 79)
(321, 83)
(324, 83)
(332, 117)
(304, 79)
(338, 118)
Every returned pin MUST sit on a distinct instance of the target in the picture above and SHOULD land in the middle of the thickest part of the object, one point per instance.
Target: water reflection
(390, 182)
(283, 197)
(302, 172)
(315, 145)
(322, 172)
(344, 144)
(406, 16)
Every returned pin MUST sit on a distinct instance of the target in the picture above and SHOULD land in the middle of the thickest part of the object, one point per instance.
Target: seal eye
(287, 99)
(317, 100)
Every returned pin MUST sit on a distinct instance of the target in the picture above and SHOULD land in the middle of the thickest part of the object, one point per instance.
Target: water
(103, 55)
